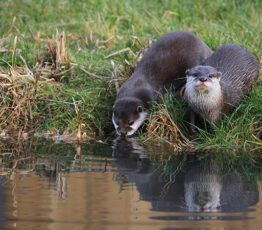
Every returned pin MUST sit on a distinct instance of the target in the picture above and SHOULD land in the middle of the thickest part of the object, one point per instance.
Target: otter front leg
(192, 121)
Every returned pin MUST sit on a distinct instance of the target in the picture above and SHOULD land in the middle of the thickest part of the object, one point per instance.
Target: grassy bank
(66, 82)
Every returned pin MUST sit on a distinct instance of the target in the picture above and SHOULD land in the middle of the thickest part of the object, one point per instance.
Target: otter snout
(124, 130)
(203, 79)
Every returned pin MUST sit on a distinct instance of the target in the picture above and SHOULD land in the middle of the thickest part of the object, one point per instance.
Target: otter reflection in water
(203, 186)
(189, 185)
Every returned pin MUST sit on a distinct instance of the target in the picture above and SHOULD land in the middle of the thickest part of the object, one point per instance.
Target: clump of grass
(17, 91)
(55, 63)
(22, 87)
(166, 121)
(18, 87)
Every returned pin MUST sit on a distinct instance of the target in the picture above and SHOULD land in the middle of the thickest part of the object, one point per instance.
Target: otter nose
(203, 79)
(123, 133)
(125, 130)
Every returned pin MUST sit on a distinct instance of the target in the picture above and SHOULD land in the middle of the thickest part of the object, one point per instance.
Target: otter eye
(195, 74)
(139, 109)
(130, 122)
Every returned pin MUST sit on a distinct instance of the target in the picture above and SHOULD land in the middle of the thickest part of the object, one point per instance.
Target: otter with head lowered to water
(219, 85)
(162, 66)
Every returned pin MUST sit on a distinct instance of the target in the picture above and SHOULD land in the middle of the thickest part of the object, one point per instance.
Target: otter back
(239, 68)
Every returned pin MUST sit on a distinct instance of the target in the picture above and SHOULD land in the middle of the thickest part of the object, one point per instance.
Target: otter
(215, 88)
(161, 67)
(203, 187)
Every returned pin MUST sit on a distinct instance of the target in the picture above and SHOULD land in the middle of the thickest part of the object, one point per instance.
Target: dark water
(124, 185)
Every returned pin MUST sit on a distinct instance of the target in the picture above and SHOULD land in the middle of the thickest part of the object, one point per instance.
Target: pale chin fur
(214, 191)
(115, 125)
(137, 123)
(135, 126)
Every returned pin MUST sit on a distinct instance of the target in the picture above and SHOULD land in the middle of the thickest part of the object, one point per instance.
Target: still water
(122, 185)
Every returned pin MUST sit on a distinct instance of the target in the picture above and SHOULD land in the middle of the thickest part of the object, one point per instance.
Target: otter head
(203, 79)
(203, 194)
(203, 187)
(203, 91)
(128, 115)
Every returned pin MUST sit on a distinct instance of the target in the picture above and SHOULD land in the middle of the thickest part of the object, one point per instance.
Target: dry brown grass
(162, 126)
(56, 62)
(19, 84)
(18, 88)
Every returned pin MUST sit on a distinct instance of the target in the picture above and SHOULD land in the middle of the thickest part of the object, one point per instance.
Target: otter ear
(140, 109)
(218, 75)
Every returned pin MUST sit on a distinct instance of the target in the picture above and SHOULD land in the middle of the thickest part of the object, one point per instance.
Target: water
(123, 185)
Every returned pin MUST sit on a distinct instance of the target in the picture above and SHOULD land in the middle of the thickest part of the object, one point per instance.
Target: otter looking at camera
(163, 66)
(218, 86)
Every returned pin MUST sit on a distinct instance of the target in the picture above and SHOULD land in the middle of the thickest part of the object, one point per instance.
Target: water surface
(122, 184)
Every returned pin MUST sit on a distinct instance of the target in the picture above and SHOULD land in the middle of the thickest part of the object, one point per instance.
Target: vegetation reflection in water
(189, 183)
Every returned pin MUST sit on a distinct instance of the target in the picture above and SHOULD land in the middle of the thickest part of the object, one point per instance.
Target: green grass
(97, 28)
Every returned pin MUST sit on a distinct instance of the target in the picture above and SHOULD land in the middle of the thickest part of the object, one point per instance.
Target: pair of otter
(166, 64)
